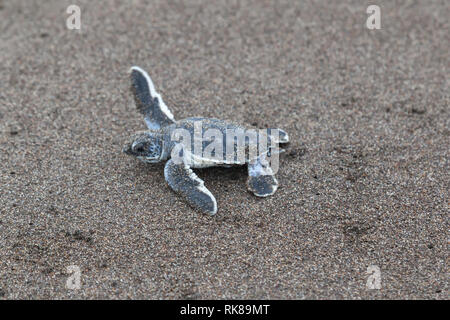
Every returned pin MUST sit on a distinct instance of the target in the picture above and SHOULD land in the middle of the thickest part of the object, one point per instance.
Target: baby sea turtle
(162, 142)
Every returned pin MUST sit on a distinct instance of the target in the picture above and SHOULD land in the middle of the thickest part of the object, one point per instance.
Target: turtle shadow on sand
(216, 176)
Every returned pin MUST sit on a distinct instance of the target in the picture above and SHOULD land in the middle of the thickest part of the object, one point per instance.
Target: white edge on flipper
(153, 92)
(201, 187)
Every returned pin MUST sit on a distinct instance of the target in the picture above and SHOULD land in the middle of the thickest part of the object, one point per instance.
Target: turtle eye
(139, 148)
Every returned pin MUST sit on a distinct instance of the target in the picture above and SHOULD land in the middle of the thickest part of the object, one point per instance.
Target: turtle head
(147, 146)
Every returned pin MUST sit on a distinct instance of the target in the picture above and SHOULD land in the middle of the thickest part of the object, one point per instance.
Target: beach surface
(363, 184)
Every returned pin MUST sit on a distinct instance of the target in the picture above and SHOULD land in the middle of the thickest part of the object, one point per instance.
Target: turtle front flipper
(261, 180)
(184, 181)
(148, 101)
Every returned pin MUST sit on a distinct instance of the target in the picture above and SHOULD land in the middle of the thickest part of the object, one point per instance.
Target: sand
(364, 181)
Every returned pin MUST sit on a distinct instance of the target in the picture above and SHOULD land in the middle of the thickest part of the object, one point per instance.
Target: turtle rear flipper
(148, 101)
(261, 180)
(184, 181)
(279, 135)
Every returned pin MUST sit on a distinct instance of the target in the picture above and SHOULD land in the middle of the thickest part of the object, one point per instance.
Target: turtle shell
(213, 142)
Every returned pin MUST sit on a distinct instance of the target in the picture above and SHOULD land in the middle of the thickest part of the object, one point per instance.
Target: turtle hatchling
(200, 143)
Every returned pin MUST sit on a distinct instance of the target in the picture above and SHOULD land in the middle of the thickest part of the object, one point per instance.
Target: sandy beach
(363, 183)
